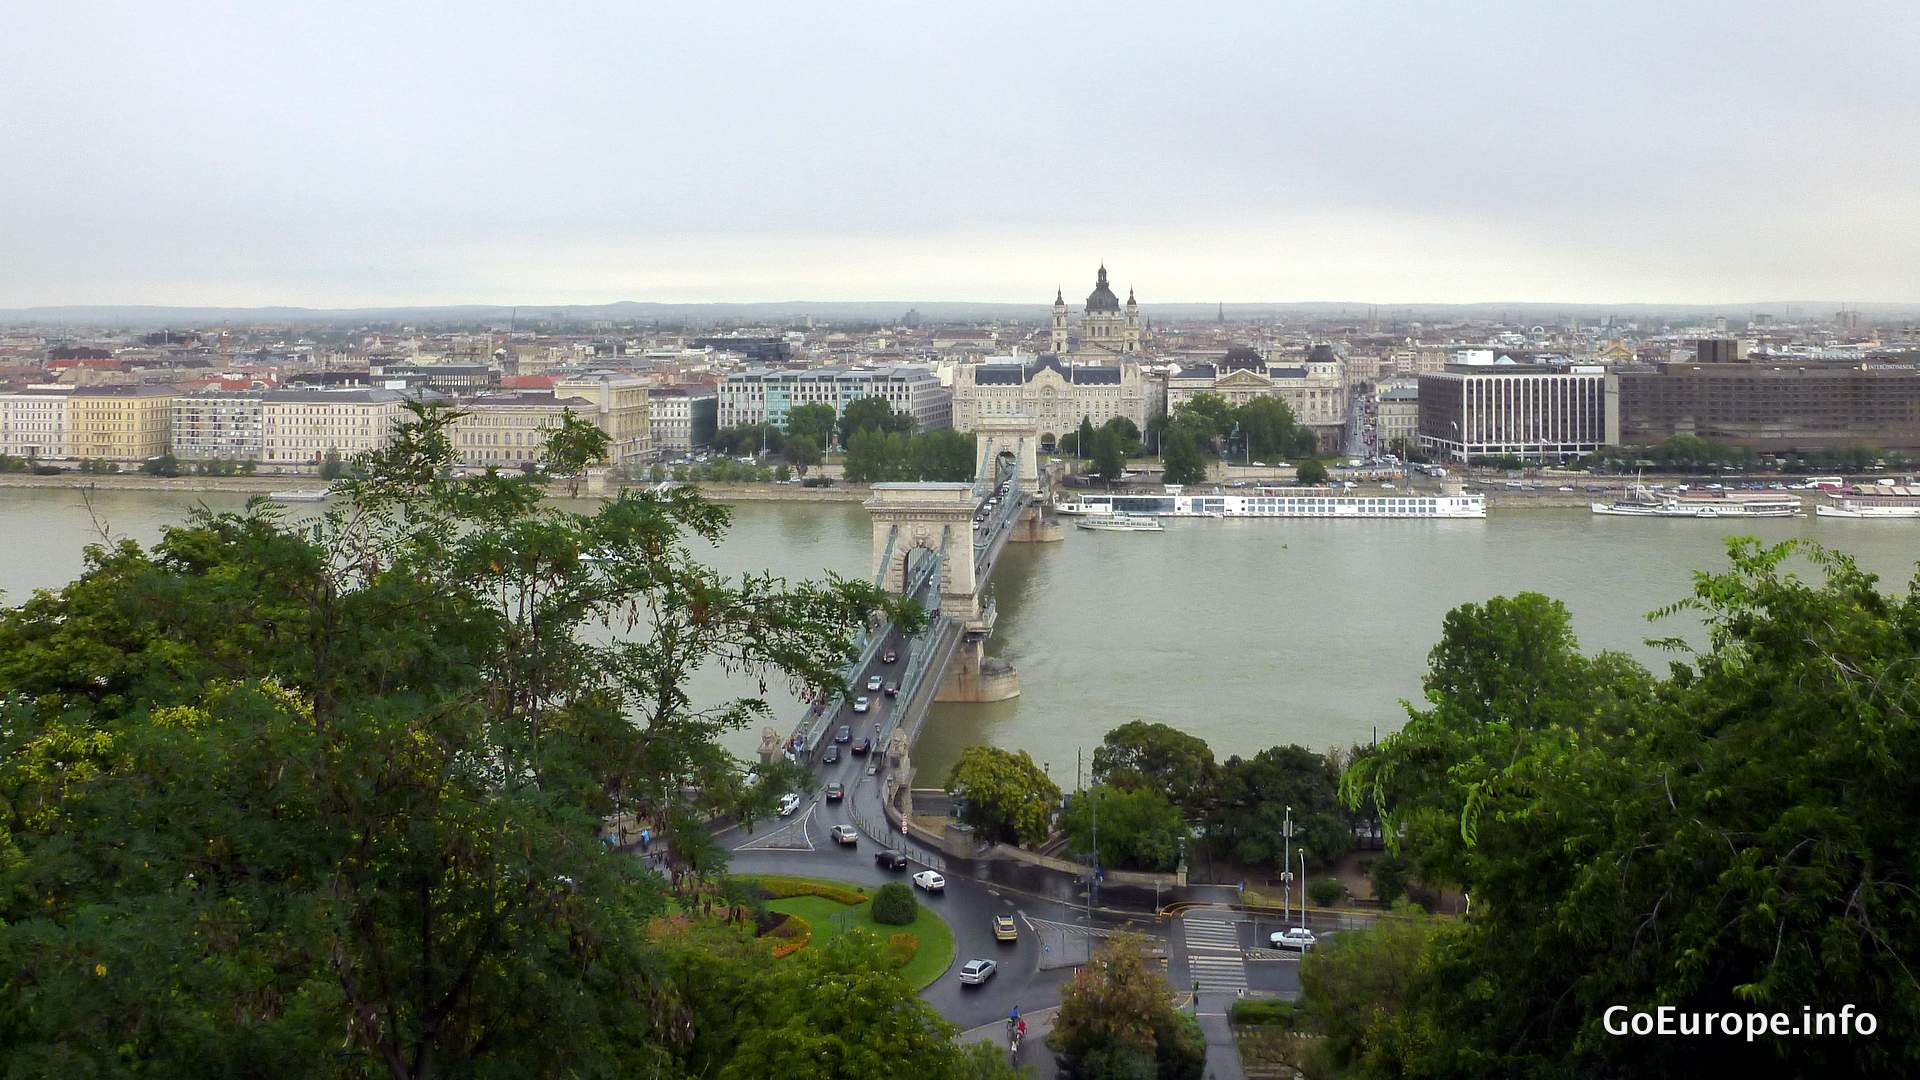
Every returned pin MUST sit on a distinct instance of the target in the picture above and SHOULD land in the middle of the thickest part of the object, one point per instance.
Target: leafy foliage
(893, 904)
(1118, 1019)
(1310, 473)
(1142, 754)
(875, 456)
(872, 414)
(1246, 820)
(814, 421)
(1138, 829)
(1007, 796)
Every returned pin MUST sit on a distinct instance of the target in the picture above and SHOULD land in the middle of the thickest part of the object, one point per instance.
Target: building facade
(763, 395)
(1531, 413)
(300, 427)
(1108, 330)
(1316, 391)
(620, 404)
(119, 423)
(1397, 415)
(219, 425)
(1056, 396)
(509, 431)
(1772, 406)
(684, 417)
(34, 422)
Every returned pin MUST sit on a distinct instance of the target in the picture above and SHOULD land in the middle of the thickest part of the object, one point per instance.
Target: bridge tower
(932, 517)
(1016, 435)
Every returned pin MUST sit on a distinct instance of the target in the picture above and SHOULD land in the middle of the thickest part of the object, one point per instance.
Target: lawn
(830, 919)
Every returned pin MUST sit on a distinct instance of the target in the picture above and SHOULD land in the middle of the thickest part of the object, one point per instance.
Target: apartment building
(1770, 405)
(299, 427)
(1531, 413)
(34, 422)
(119, 423)
(683, 417)
(1397, 419)
(508, 431)
(765, 395)
(219, 425)
(621, 404)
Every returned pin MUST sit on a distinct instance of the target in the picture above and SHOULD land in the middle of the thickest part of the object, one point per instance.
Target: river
(1246, 633)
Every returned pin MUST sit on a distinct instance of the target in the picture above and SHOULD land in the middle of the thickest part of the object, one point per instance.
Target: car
(831, 756)
(862, 744)
(845, 836)
(930, 880)
(836, 792)
(788, 804)
(843, 734)
(1004, 930)
(889, 657)
(1293, 937)
(890, 860)
(975, 972)
(874, 682)
(860, 704)
(892, 690)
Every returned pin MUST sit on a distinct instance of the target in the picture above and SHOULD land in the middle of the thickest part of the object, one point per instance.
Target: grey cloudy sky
(341, 153)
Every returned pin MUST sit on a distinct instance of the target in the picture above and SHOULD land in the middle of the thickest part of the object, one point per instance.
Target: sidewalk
(1223, 1056)
(1035, 1058)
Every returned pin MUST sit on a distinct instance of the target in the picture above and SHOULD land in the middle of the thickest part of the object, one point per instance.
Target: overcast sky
(335, 154)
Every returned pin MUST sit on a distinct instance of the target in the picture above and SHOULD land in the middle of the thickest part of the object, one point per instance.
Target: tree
(1735, 836)
(1180, 451)
(1143, 755)
(803, 452)
(1268, 426)
(872, 414)
(282, 794)
(782, 473)
(1006, 796)
(1138, 829)
(1118, 1019)
(1128, 433)
(1109, 461)
(1247, 818)
(1083, 439)
(1359, 988)
(1310, 473)
(893, 904)
(1325, 891)
(1212, 418)
(814, 420)
(570, 449)
(164, 465)
(1389, 877)
(331, 467)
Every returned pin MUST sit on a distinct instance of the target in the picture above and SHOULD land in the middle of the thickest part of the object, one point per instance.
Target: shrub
(894, 905)
(1262, 1011)
(900, 949)
(47, 470)
(1325, 891)
(790, 936)
(780, 888)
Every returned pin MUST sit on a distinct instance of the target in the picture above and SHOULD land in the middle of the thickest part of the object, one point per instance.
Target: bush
(1326, 891)
(790, 936)
(1262, 1011)
(780, 888)
(894, 905)
(47, 470)
(900, 949)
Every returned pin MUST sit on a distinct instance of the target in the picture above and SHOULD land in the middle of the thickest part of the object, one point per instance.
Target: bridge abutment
(1033, 527)
(975, 677)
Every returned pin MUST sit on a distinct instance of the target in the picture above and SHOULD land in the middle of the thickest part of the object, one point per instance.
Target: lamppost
(1286, 867)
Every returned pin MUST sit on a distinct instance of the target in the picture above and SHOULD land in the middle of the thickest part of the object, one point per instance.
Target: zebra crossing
(1214, 957)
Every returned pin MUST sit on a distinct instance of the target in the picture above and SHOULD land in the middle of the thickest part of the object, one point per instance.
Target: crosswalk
(1213, 954)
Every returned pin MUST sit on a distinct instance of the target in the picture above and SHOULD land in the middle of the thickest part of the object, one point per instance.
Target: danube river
(1247, 633)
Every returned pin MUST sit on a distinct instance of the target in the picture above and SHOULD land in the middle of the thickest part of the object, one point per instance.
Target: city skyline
(243, 157)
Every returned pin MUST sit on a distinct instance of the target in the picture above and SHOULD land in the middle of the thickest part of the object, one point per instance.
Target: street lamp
(1286, 866)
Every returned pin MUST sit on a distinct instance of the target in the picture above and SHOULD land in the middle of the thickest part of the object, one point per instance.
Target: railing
(866, 645)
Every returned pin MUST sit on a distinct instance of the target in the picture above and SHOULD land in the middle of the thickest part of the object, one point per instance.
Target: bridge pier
(1033, 527)
(976, 678)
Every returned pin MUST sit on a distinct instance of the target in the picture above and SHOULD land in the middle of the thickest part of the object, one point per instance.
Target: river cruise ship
(1119, 523)
(1877, 501)
(1641, 502)
(1284, 502)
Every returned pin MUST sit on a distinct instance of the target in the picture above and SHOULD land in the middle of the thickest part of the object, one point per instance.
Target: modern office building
(683, 417)
(219, 425)
(757, 350)
(765, 395)
(119, 423)
(34, 423)
(1512, 410)
(1774, 406)
(1056, 396)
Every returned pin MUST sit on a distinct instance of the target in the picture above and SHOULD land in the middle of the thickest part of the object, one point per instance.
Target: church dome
(1102, 298)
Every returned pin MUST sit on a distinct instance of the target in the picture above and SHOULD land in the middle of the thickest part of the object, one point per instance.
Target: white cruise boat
(1074, 508)
(304, 495)
(1878, 501)
(1290, 502)
(1120, 523)
(1641, 502)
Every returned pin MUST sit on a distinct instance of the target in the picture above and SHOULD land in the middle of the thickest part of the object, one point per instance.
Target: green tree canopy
(1109, 458)
(814, 420)
(574, 446)
(1138, 829)
(803, 452)
(1181, 454)
(1142, 754)
(1118, 1021)
(1269, 428)
(1007, 795)
(1247, 816)
(1310, 473)
(1083, 438)
(872, 414)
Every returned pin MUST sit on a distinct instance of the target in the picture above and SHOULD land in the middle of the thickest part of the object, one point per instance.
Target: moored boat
(1120, 523)
(1877, 501)
(303, 495)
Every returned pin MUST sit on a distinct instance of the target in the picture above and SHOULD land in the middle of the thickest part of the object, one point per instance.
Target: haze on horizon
(339, 155)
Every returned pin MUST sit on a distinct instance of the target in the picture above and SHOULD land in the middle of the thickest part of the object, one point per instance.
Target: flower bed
(790, 936)
(780, 888)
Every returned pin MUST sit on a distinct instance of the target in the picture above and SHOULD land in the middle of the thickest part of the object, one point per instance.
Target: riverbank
(261, 485)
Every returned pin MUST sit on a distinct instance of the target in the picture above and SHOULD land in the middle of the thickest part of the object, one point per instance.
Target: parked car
(893, 689)
(836, 792)
(845, 836)
(1293, 937)
(788, 804)
(890, 657)
(832, 755)
(873, 682)
(861, 745)
(860, 704)
(1004, 930)
(930, 880)
(975, 972)
(843, 734)
(890, 860)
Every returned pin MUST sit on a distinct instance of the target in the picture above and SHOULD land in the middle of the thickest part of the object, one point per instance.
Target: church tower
(1131, 344)
(1059, 323)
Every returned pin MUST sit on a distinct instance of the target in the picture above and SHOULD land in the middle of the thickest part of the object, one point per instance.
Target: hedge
(894, 905)
(780, 888)
(1262, 1012)
(793, 935)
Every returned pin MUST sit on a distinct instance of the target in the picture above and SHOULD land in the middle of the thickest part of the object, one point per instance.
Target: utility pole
(1303, 887)
(1286, 867)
